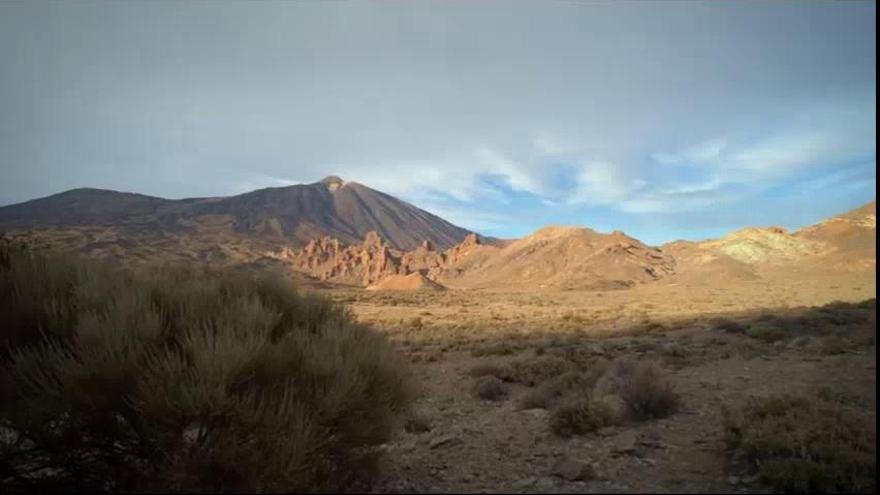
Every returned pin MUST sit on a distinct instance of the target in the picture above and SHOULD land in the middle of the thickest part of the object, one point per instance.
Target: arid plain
(706, 338)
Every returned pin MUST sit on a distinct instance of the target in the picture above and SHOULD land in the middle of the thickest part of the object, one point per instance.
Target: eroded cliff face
(329, 259)
(363, 264)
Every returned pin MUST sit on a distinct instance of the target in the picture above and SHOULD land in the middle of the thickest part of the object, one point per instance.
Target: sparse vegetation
(499, 349)
(767, 331)
(580, 416)
(645, 391)
(490, 388)
(727, 325)
(805, 445)
(549, 393)
(535, 370)
(835, 323)
(184, 380)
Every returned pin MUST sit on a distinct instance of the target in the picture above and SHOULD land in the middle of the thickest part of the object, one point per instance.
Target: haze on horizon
(662, 119)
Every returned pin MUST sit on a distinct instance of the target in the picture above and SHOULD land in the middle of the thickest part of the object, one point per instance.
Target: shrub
(532, 371)
(490, 388)
(727, 325)
(581, 416)
(550, 392)
(767, 331)
(646, 393)
(182, 380)
(547, 394)
(805, 445)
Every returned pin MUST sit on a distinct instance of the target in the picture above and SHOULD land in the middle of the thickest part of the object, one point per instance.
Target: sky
(667, 120)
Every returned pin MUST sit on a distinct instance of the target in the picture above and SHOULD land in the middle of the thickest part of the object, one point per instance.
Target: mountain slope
(80, 207)
(569, 258)
(843, 242)
(851, 238)
(283, 215)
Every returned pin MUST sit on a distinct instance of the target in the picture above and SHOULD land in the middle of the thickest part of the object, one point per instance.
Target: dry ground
(454, 316)
(717, 345)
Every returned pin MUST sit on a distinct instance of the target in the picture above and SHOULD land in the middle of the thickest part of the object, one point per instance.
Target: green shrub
(803, 445)
(580, 416)
(183, 380)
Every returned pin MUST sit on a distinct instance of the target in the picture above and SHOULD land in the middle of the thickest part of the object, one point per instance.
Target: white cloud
(519, 176)
(819, 134)
(756, 164)
(686, 198)
(788, 153)
(603, 182)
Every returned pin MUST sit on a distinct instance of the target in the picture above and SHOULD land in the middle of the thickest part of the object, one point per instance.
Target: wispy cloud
(705, 152)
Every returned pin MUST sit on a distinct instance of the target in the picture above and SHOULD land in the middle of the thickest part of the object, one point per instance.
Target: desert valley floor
(704, 336)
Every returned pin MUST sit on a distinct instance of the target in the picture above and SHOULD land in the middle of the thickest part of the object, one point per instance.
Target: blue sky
(662, 119)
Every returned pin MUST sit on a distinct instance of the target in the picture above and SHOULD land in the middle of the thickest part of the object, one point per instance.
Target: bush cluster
(183, 380)
(805, 445)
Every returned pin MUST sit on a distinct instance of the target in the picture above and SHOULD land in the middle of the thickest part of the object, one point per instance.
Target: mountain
(843, 242)
(291, 215)
(850, 239)
(569, 258)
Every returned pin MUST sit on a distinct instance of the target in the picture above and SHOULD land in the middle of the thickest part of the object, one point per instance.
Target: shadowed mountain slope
(292, 215)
